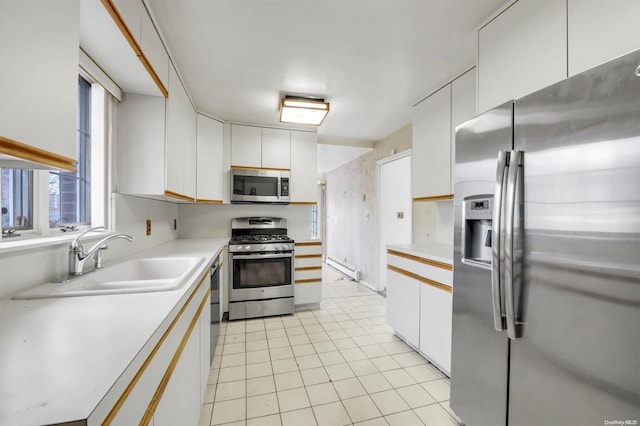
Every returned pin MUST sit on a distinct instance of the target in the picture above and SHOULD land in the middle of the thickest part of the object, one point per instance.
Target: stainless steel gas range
(261, 273)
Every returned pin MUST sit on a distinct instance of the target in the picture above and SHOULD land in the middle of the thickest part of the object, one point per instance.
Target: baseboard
(366, 284)
(351, 273)
(307, 307)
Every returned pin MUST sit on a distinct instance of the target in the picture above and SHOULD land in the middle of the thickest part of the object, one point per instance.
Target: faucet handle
(98, 257)
(75, 244)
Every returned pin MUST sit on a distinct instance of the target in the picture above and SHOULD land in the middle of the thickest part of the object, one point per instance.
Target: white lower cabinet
(419, 304)
(307, 273)
(165, 384)
(435, 326)
(403, 306)
(180, 403)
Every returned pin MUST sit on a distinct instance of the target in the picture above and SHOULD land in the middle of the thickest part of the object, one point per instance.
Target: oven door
(261, 276)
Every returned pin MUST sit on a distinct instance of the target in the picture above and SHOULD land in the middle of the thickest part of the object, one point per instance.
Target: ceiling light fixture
(298, 110)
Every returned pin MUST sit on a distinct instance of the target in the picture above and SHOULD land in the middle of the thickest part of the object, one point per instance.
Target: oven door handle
(261, 256)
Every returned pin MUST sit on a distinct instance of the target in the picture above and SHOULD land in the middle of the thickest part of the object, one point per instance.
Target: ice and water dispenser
(477, 211)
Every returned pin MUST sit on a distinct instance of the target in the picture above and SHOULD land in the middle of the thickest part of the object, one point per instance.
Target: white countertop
(59, 357)
(433, 251)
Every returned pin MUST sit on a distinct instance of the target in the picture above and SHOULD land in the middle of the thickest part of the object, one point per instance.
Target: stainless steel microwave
(260, 186)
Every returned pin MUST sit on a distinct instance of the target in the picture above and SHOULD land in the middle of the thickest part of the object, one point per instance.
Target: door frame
(379, 164)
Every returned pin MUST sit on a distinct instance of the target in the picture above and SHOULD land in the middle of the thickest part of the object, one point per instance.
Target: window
(41, 202)
(17, 196)
(70, 192)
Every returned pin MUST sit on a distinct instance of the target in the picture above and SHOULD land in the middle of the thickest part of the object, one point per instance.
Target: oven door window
(260, 186)
(254, 273)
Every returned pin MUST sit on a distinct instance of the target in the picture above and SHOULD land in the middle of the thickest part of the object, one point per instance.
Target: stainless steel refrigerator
(546, 294)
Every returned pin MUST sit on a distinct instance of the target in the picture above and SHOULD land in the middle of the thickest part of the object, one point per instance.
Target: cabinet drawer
(432, 270)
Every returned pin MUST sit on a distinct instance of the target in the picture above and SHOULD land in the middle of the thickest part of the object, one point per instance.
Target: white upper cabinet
(522, 50)
(431, 154)
(304, 167)
(276, 149)
(210, 167)
(153, 49)
(181, 140)
(600, 31)
(463, 107)
(260, 147)
(246, 146)
(39, 85)
(121, 53)
(156, 145)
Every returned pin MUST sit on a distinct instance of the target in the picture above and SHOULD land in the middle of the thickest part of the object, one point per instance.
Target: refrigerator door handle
(496, 293)
(509, 252)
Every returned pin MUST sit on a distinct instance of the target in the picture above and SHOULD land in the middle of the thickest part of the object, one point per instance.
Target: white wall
(351, 223)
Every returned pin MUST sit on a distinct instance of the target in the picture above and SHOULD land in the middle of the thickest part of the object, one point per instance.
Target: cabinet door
(463, 107)
(180, 403)
(276, 149)
(431, 156)
(153, 49)
(522, 50)
(131, 12)
(600, 31)
(39, 85)
(246, 146)
(205, 346)
(403, 306)
(304, 167)
(210, 159)
(181, 139)
(435, 326)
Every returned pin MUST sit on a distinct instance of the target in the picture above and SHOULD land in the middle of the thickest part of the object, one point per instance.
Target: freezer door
(479, 359)
(577, 358)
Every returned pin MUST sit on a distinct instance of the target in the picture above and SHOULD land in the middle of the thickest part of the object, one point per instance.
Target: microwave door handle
(496, 238)
(515, 172)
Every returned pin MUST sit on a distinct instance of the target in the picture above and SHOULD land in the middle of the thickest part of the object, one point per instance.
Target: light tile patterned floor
(339, 365)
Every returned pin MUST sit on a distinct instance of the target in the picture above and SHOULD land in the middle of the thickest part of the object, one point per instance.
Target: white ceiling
(371, 59)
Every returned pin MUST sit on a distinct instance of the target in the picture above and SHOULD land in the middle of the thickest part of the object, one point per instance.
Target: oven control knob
(247, 247)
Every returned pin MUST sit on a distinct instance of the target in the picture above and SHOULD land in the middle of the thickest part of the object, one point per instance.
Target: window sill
(24, 243)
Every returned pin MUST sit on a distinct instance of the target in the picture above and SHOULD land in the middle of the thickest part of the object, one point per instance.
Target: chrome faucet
(78, 257)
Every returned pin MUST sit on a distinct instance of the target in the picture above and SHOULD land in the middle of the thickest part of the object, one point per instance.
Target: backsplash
(203, 221)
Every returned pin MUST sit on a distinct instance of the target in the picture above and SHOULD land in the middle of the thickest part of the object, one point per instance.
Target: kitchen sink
(131, 276)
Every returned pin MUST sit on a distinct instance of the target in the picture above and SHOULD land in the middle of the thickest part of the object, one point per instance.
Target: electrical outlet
(148, 226)
(175, 224)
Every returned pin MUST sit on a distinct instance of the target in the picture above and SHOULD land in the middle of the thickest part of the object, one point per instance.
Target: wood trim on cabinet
(157, 396)
(308, 268)
(310, 243)
(434, 198)
(259, 168)
(114, 411)
(307, 256)
(205, 201)
(309, 281)
(37, 155)
(128, 35)
(420, 278)
(304, 203)
(429, 262)
(178, 196)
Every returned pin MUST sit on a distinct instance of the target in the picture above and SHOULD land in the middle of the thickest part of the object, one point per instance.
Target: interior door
(394, 209)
